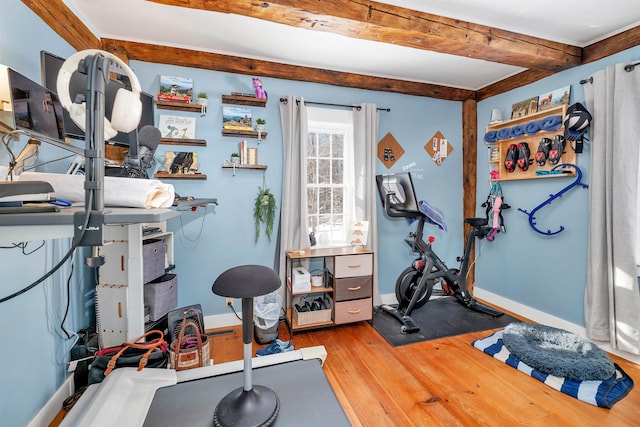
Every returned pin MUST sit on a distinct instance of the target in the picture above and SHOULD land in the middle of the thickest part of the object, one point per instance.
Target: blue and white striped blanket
(598, 393)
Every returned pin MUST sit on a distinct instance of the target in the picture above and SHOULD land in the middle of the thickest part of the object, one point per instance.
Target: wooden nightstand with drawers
(345, 294)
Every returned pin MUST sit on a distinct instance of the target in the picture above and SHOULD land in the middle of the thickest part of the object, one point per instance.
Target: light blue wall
(227, 237)
(33, 355)
(547, 273)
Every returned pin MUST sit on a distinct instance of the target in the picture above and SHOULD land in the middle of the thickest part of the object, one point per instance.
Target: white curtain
(293, 209)
(293, 212)
(612, 297)
(365, 138)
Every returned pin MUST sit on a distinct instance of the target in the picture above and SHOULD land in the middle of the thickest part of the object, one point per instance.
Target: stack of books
(248, 155)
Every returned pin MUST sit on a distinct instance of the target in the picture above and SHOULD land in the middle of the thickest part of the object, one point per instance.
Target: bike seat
(477, 222)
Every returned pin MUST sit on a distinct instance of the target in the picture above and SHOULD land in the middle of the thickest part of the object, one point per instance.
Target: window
(330, 174)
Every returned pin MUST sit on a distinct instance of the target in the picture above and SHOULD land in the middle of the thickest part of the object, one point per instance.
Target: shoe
(511, 158)
(275, 347)
(543, 151)
(556, 150)
(523, 156)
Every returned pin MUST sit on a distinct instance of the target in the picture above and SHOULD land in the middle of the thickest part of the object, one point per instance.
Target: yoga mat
(125, 192)
(438, 318)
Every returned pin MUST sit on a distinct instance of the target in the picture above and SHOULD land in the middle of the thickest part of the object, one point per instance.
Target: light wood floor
(445, 382)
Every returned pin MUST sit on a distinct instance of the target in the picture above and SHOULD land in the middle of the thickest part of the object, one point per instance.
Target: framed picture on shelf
(181, 162)
(524, 108)
(175, 89)
(554, 98)
(236, 118)
(179, 127)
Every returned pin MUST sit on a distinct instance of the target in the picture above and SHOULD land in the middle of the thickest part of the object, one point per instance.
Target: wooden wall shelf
(244, 100)
(243, 133)
(569, 155)
(178, 106)
(230, 166)
(194, 176)
(183, 141)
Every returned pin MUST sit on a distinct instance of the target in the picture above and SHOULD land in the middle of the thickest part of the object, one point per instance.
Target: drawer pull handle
(355, 265)
(357, 288)
(354, 311)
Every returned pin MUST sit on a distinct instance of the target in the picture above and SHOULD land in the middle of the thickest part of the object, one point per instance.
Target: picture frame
(181, 163)
(176, 89)
(554, 98)
(236, 118)
(177, 127)
(524, 108)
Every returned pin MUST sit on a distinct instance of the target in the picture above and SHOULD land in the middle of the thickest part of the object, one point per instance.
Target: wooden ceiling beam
(233, 64)
(61, 19)
(611, 45)
(591, 53)
(379, 22)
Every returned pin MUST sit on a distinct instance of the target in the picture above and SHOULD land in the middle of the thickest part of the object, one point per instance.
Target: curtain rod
(333, 105)
(630, 67)
(627, 68)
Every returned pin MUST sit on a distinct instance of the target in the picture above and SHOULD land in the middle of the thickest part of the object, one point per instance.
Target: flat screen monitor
(28, 106)
(402, 199)
(50, 66)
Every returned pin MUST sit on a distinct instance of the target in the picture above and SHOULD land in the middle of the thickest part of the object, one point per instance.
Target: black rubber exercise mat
(438, 318)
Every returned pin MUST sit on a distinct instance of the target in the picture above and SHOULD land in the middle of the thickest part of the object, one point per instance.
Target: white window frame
(326, 120)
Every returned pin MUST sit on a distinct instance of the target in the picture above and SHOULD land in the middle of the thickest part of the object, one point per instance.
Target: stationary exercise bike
(415, 285)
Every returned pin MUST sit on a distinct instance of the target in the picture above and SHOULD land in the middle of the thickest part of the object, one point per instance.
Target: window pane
(338, 200)
(324, 145)
(312, 173)
(312, 221)
(312, 200)
(336, 171)
(325, 200)
(324, 222)
(338, 145)
(324, 168)
(312, 145)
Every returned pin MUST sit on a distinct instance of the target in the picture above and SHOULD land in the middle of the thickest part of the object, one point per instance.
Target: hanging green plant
(264, 210)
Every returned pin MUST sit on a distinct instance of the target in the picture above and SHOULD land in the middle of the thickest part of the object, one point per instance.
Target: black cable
(66, 311)
(89, 194)
(47, 162)
(234, 311)
(74, 246)
(23, 246)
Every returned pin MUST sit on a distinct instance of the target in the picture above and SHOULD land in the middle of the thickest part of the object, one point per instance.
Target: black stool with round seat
(248, 405)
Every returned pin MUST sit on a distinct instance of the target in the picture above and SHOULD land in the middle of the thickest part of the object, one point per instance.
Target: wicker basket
(190, 351)
(315, 316)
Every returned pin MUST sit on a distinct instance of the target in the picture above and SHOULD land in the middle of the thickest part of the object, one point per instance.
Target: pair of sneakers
(276, 346)
(550, 150)
(517, 155)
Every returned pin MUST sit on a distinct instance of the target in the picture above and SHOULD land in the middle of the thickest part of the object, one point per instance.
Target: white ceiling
(574, 22)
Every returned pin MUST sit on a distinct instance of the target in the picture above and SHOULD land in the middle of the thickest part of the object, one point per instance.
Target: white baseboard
(528, 312)
(45, 416)
(221, 321)
(547, 319)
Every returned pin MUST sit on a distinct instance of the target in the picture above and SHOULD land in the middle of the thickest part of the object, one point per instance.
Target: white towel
(125, 192)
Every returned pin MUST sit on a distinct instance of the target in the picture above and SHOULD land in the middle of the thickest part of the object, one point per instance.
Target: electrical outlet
(228, 302)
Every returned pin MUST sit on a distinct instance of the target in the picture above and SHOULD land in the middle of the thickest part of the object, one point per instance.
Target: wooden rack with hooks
(501, 147)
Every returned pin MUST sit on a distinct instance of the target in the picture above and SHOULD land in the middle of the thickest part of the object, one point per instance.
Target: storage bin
(353, 311)
(315, 316)
(153, 259)
(353, 288)
(161, 296)
(352, 265)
